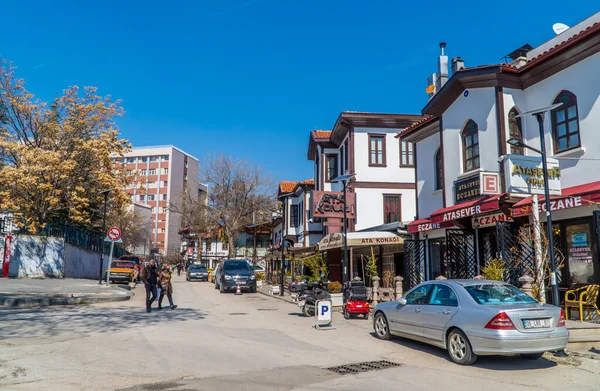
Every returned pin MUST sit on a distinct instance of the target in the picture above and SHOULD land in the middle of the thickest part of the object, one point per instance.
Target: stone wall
(37, 256)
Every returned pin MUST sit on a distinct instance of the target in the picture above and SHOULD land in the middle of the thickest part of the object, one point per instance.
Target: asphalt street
(223, 342)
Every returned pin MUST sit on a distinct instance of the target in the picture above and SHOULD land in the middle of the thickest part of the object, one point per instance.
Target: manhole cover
(267, 309)
(363, 367)
(238, 313)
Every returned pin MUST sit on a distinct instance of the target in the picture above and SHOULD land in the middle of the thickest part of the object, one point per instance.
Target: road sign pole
(110, 255)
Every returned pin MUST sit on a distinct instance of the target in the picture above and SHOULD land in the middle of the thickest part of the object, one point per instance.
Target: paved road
(226, 342)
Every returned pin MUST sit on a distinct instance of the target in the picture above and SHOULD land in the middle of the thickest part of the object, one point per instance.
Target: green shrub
(494, 270)
(335, 287)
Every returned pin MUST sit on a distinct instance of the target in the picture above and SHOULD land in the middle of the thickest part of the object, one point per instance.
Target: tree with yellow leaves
(55, 159)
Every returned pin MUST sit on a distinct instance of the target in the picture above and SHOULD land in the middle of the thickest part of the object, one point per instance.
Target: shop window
(470, 138)
(392, 208)
(580, 253)
(565, 123)
(406, 154)
(515, 130)
(377, 150)
(331, 167)
(439, 170)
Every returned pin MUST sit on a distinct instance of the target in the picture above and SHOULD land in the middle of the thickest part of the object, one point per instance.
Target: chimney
(442, 68)
(519, 61)
(431, 85)
(457, 64)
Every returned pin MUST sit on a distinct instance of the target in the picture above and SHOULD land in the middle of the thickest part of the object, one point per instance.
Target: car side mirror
(402, 301)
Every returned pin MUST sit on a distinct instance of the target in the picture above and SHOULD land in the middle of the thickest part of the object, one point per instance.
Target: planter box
(337, 299)
(259, 283)
(274, 290)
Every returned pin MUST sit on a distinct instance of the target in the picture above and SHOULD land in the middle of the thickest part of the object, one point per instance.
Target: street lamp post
(539, 115)
(283, 198)
(344, 180)
(105, 194)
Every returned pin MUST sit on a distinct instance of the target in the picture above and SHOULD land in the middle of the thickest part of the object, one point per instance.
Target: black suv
(232, 272)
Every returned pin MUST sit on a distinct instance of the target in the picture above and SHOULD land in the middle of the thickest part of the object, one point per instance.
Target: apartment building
(166, 172)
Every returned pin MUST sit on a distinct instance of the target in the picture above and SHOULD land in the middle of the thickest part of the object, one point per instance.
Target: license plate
(242, 282)
(359, 306)
(536, 323)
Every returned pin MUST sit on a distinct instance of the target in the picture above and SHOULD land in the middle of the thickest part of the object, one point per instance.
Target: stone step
(586, 332)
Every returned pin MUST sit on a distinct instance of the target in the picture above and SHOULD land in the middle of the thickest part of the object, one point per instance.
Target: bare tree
(237, 191)
(134, 230)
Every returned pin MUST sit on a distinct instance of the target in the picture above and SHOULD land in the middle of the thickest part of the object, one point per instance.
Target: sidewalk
(29, 292)
(286, 294)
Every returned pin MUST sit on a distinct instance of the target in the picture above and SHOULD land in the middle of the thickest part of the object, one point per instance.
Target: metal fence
(80, 237)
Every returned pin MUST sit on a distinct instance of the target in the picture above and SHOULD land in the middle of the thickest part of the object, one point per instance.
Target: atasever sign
(331, 204)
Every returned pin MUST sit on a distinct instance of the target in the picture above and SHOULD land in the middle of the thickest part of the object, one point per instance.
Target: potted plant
(260, 277)
(335, 291)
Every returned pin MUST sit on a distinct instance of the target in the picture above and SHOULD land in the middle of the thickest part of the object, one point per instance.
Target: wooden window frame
(399, 197)
(334, 158)
(518, 123)
(566, 122)
(341, 162)
(410, 155)
(438, 164)
(383, 150)
(466, 134)
(346, 155)
(294, 218)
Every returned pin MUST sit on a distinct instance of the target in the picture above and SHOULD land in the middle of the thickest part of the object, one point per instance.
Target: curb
(44, 301)
(276, 297)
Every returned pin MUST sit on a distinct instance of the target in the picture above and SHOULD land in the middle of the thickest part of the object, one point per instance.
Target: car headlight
(252, 277)
(228, 277)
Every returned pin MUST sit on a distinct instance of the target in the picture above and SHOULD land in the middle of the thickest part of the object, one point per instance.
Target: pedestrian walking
(179, 267)
(150, 278)
(166, 288)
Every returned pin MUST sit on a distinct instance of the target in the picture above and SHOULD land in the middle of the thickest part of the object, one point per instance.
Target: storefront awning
(571, 197)
(360, 239)
(467, 209)
(422, 225)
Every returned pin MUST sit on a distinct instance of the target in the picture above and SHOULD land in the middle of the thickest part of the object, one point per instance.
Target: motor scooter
(307, 299)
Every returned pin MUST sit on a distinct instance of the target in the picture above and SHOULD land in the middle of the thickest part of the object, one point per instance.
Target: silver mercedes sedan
(473, 317)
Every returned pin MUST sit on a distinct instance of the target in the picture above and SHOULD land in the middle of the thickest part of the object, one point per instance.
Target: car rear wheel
(382, 330)
(346, 313)
(459, 348)
(532, 356)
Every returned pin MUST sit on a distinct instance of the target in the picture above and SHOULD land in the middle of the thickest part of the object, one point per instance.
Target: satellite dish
(560, 28)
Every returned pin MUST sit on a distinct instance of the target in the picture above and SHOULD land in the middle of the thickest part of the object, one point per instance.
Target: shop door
(460, 254)
(414, 263)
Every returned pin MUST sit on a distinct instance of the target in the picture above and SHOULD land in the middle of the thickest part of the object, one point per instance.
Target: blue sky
(251, 78)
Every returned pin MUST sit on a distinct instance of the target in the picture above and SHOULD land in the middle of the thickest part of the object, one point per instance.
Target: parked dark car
(232, 272)
(197, 273)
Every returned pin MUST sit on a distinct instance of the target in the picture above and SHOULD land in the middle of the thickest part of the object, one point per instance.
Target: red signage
(6, 256)
(468, 209)
(490, 220)
(427, 225)
(562, 203)
(190, 250)
(331, 204)
(489, 183)
(114, 234)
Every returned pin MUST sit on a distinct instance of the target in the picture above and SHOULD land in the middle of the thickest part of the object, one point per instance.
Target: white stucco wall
(429, 198)
(369, 206)
(581, 80)
(392, 172)
(480, 106)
